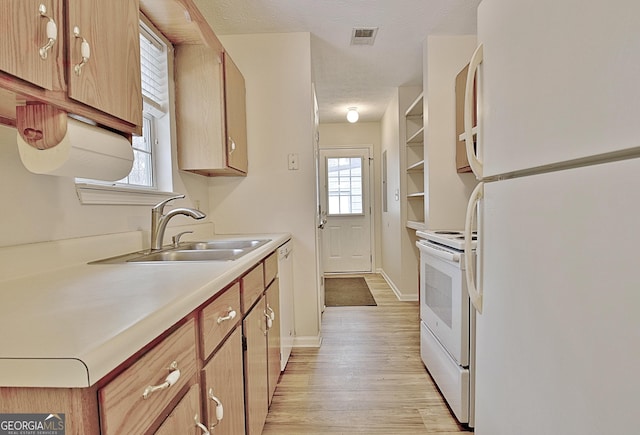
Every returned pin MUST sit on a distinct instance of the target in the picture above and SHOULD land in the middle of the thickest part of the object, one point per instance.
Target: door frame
(371, 195)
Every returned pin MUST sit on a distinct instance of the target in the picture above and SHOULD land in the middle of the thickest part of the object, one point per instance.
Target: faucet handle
(159, 207)
(176, 238)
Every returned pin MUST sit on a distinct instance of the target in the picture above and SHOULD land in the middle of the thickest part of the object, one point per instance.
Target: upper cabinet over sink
(80, 56)
(210, 92)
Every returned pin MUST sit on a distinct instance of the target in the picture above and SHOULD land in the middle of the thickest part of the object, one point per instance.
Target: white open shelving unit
(414, 171)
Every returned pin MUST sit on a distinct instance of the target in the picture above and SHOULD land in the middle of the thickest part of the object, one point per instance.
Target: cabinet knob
(232, 145)
(85, 52)
(52, 32)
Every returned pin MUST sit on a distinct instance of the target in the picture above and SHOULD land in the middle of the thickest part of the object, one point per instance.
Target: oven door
(444, 302)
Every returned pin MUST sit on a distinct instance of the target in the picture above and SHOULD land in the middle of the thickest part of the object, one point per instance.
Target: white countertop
(72, 326)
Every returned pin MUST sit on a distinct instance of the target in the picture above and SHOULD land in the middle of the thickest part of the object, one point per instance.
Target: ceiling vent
(363, 35)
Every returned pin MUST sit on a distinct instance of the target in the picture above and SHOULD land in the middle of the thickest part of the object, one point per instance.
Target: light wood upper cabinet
(93, 72)
(109, 80)
(23, 33)
(210, 112)
(236, 116)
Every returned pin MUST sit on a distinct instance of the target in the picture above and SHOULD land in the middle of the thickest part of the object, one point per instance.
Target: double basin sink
(212, 250)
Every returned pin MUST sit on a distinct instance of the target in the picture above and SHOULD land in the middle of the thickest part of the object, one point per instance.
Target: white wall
(38, 208)
(345, 135)
(447, 190)
(277, 72)
(391, 222)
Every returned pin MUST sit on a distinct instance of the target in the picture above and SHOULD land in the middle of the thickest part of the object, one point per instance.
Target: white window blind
(153, 62)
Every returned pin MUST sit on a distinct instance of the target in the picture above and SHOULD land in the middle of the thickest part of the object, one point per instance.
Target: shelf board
(417, 137)
(416, 225)
(416, 166)
(416, 107)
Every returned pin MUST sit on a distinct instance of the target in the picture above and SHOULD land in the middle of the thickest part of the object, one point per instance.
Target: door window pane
(344, 185)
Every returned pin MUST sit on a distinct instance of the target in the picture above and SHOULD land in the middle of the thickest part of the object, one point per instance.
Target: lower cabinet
(137, 397)
(255, 368)
(273, 336)
(224, 388)
(185, 417)
(214, 371)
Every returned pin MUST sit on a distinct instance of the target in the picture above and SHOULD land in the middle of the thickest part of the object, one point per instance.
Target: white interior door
(345, 199)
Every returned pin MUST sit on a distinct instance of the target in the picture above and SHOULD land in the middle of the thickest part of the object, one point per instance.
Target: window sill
(95, 194)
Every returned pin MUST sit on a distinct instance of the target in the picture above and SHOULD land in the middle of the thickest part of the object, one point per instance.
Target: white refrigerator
(557, 279)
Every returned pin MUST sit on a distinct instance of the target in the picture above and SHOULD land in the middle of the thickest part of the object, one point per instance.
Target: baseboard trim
(401, 297)
(308, 341)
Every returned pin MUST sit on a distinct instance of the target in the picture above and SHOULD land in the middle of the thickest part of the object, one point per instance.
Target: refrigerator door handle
(475, 292)
(469, 102)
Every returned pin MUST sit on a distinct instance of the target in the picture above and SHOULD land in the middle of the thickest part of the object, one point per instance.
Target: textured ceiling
(351, 75)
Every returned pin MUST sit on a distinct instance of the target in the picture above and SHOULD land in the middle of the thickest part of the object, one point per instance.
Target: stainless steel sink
(195, 255)
(211, 250)
(223, 244)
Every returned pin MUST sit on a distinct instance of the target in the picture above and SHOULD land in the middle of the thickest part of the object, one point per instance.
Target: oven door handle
(438, 252)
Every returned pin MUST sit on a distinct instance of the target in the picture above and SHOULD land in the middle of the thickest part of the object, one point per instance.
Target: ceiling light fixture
(352, 115)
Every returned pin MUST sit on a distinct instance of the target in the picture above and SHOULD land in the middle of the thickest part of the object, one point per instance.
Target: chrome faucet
(159, 220)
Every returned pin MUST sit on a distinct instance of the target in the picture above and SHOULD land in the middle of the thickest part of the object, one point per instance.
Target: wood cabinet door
(23, 31)
(223, 378)
(110, 78)
(273, 336)
(236, 116)
(182, 418)
(255, 369)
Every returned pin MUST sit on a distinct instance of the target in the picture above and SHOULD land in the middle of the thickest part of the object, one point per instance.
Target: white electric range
(447, 324)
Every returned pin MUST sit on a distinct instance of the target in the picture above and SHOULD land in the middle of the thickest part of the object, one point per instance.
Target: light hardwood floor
(367, 377)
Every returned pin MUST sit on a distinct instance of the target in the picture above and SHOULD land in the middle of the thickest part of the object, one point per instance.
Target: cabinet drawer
(123, 409)
(270, 268)
(252, 287)
(215, 321)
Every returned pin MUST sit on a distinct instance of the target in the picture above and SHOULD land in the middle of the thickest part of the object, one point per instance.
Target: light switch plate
(293, 162)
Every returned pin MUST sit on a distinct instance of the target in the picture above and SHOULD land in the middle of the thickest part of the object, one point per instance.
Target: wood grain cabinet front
(218, 318)
(224, 388)
(252, 287)
(136, 398)
(80, 56)
(185, 417)
(255, 368)
(30, 42)
(210, 111)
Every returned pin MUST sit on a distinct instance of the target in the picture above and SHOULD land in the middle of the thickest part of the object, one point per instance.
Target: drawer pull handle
(231, 314)
(272, 314)
(205, 431)
(52, 32)
(269, 321)
(219, 408)
(171, 379)
(85, 51)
